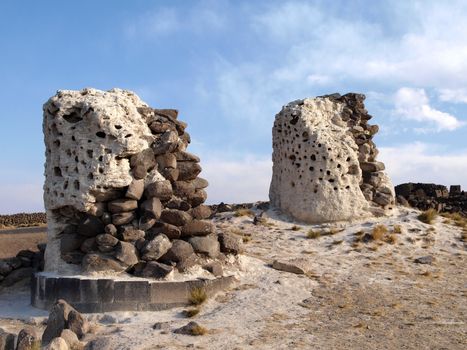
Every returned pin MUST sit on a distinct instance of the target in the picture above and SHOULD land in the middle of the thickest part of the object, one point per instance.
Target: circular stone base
(105, 294)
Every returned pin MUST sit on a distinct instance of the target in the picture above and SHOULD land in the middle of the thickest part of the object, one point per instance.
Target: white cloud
(453, 95)
(237, 180)
(162, 21)
(422, 162)
(413, 104)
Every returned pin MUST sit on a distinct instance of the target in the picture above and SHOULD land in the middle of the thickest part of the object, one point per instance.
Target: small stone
(57, 320)
(71, 339)
(130, 234)
(142, 163)
(382, 198)
(7, 340)
(200, 183)
(89, 245)
(77, 323)
(191, 328)
(185, 264)
(90, 226)
(372, 166)
(101, 263)
(166, 143)
(179, 251)
(183, 189)
(171, 231)
(122, 205)
(57, 344)
(152, 206)
(106, 239)
(198, 198)
(188, 170)
(28, 339)
(201, 212)
(208, 245)
(167, 160)
(184, 156)
(110, 229)
(215, 268)
(175, 217)
(427, 260)
(230, 243)
(135, 190)
(156, 248)
(197, 228)
(159, 189)
(170, 173)
(159, 128)
(126, 253)
(122, 218)
(146, 222)
(156, 270)
(170, 113)
(297, 266)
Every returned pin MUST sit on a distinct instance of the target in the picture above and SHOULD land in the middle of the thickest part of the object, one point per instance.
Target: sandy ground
(354, 295)
(14, 240)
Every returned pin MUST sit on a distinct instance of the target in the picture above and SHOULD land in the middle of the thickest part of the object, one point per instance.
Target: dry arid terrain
(14, 240)
(364, 287)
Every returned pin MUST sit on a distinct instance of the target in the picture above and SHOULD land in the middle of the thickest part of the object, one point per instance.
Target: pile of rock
(426, 196)
(22, 220)
(121, 191)
(66, 327)
(13, 270)
(324, 161)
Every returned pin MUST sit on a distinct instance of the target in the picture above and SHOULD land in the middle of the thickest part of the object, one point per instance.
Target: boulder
(200, 183)
(28, 339)
(175, 217)
(126, 253)
(298, 266)
(130, 234)
(201, 212)
(179, 251)
(183, 156)
(230, 243)
(56, 323)
(7, 340)
(71, 339)
(57, 344)
(171, 231)
(122, 218)
(197, 228)
(198, 198)
(167, 160)
(156, 248)
(122, 205)
(183, 189)
(89, 245)
(155, 269)
(142, 163)
(159, 189)
(106, 240)
(208, 245)
(188, 170)
(94, 262)
(77, 323)
(152, 206)
(191, 328)
(215, 268)
(90, 226)
(110, 229)
(21, 274)
(135, 190)
(166, 143)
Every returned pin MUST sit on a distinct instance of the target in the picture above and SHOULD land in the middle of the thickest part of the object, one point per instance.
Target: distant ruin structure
(324, 161)
(123, 196)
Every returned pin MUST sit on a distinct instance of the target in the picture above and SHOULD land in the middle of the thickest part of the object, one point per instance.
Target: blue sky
(229, 66)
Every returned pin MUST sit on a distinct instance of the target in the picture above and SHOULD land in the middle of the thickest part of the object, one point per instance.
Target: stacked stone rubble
(121, 192)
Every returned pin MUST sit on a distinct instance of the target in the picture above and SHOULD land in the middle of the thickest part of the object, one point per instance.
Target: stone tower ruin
(123, 198)
(324, 161)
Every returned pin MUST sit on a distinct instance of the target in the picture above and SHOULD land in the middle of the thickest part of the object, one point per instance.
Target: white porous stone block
(316, 172)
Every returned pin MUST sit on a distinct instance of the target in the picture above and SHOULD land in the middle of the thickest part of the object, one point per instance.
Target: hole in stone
(76, 185)
(90, 176)
(118, 127)
(76, 170)
(319, 145)
(57, 171)
(76, 159)
(313, 157)
(57, 143)
(335, 188)
(328, 172)
(129, 135)
(293, 184)
(73, 138)
(101, 171)
(348, 159)
(311, 168)
(90, 153)
(65, 185)
(73, 117)
(347, 187)
(292, 157)
(338, 165)
(100, 134)
(101, 158)
(108, 151)
(321, 178)
(324, 158)
(331, 180)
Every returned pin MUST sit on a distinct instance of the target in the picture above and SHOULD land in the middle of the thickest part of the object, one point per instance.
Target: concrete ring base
(106, 294)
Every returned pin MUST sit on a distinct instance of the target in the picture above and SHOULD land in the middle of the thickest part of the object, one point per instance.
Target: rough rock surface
(324, 161)
(120, 186)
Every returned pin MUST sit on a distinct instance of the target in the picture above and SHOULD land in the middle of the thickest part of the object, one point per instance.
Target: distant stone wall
(122, 193)
(426, 196)
(324, 161)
